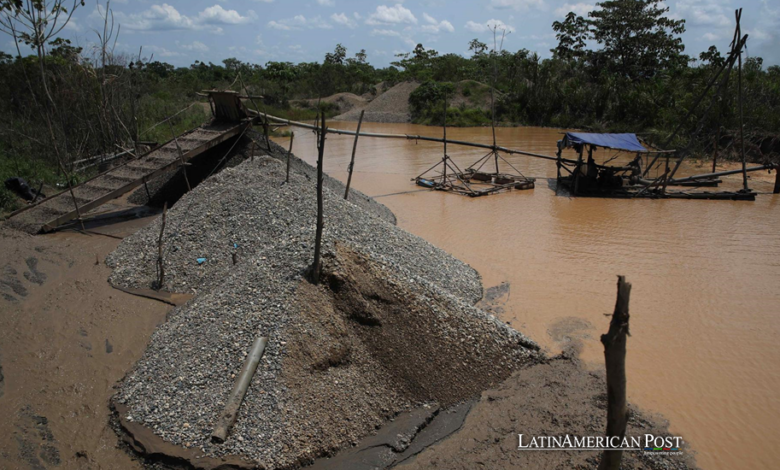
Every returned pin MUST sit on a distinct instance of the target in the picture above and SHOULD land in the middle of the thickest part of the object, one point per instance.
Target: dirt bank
(67, 338)
(552, 399)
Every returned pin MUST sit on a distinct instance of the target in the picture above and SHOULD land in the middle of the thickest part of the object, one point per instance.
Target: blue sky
(258, 31)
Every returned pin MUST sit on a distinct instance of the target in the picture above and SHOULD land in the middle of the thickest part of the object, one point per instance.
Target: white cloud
(488, 26)
(396, 14)
(394, 34)
(581, 9)
(195, 46)
(161, 51)
(435, 26)
(167, 18)
(704, 13)
(327, 3)
(519, 5)
(344, 20)
(300, 22)
(218, 15)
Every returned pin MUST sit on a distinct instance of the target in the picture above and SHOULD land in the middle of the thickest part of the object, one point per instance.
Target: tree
(361, 57)
(571, 34)
(337, 56)
(637, 39)
(477, 48)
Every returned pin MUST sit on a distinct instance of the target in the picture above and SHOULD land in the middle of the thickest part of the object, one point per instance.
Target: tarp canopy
(627, 142)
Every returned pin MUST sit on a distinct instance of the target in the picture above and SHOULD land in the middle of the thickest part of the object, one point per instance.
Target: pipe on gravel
(230, 413)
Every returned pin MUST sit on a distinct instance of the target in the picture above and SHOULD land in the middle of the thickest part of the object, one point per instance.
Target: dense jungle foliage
(623, 68)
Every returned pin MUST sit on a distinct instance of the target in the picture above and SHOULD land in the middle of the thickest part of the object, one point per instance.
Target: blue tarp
(613, 141)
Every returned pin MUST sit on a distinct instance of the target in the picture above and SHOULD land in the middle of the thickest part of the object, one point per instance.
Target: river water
(704, 348)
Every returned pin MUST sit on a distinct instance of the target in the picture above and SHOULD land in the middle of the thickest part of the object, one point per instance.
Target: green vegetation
(621, 69)
(426, 104)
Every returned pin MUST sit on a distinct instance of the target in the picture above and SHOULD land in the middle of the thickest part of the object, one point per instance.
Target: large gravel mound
(391, 106)
(390, 327)
(345, 101)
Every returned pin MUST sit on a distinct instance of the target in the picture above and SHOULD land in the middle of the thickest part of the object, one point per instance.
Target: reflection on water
(704, 349)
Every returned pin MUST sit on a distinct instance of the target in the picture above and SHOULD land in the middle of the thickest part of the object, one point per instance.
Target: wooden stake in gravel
(615, 357)
(160, 265)
(354, 148)
(289, 155)
(315, 274)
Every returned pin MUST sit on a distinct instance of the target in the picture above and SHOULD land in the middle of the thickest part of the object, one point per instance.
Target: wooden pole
(444, 178)
(160, 265)
(315, 275)
(289, 157)
(72, 194)
(615, 356)
(715, 151)
(181, 157)
(148, 194)
(354, 149)
(738, 14)
(777, 180)
(252, 152)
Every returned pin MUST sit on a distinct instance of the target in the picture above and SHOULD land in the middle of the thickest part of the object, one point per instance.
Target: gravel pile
(391, 106)
(345, 101)
(390, 327)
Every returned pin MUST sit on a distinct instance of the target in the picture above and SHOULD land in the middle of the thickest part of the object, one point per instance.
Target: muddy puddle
(703, 350)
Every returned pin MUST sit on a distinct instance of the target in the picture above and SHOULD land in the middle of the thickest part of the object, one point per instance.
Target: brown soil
(551, 399)
(67, 338)
(385, 349)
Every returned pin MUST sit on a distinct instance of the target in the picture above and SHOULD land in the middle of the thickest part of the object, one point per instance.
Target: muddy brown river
(704, 349)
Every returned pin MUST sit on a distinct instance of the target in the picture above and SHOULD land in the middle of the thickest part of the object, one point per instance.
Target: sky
(259, 31)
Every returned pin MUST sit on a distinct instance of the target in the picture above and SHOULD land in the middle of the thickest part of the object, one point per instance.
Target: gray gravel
(392, 106)
(179, 386)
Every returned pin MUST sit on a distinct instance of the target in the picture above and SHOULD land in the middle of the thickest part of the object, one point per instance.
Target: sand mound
(344, 101)
(392, 106)
(390, 328)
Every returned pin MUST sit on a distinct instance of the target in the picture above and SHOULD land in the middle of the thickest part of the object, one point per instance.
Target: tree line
(621, 68)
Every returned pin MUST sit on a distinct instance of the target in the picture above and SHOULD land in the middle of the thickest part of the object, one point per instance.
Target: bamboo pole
(615, 357)
(315, 275)
(414, 137)
(354, 149)
(289, 157)
(719, 173)
(230, 413)
(160, 264)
